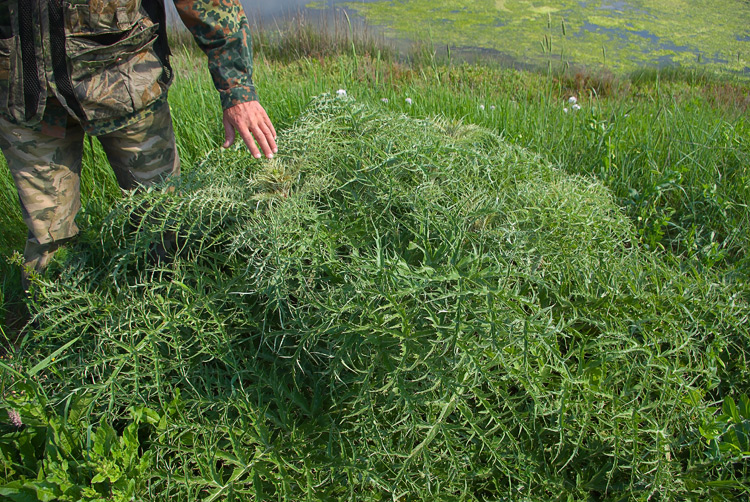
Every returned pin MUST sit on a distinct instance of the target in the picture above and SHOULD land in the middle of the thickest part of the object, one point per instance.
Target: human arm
(221, 30)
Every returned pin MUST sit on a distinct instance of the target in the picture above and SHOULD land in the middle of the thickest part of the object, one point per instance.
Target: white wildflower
(576, 107)
(572, 100)
(481, 107)
(341, 93)
(384, 100)
(408, 101)
(565, 110)
(493, 107)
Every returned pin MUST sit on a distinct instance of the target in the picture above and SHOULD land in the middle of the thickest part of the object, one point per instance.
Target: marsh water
(620, 34)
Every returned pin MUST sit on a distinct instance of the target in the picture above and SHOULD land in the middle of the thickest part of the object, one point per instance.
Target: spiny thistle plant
(397, 309)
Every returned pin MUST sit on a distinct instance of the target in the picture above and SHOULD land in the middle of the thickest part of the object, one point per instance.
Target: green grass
(425, 302)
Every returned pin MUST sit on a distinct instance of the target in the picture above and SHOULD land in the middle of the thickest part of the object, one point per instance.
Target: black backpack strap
(31, 86)
(59, 61)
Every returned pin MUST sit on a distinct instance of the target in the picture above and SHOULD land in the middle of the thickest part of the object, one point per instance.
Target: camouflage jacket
(107, 61)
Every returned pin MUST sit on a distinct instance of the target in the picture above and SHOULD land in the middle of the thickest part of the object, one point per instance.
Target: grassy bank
(503, 301)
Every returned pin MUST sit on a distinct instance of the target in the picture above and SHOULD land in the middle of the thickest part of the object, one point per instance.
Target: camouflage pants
(47, 170)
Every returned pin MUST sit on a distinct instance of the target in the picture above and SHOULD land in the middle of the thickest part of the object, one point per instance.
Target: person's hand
(253, 124)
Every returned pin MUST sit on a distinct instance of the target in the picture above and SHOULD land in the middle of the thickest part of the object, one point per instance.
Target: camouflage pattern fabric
(221, 30)
(114, 70)
(47, 172)
(145, 152)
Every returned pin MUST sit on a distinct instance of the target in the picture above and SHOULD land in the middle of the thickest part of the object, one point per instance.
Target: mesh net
(31, 87)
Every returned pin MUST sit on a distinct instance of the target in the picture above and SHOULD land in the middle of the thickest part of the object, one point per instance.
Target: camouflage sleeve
(221, 30)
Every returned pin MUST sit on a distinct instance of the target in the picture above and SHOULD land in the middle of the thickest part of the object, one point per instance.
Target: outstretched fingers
(254, 126)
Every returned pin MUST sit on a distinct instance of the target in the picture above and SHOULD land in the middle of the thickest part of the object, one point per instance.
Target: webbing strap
(59, 62)
(32, 89)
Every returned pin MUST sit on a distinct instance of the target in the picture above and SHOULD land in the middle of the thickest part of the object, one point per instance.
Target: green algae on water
(621, 35)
